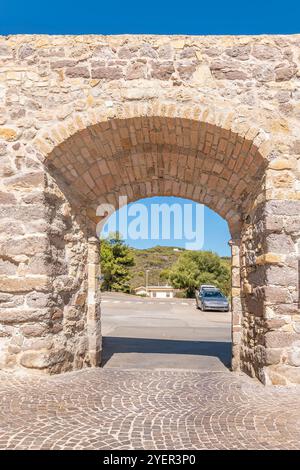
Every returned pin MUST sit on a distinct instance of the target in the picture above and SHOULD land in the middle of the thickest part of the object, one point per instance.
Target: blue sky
(197, 227)
(155, 17)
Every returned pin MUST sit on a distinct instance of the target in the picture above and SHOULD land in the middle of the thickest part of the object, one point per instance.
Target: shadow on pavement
(113, 345)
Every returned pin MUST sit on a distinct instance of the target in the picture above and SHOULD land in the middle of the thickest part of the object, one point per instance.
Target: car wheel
(202, 308)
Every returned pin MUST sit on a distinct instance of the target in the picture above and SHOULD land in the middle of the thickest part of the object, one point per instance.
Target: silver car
(211, 299)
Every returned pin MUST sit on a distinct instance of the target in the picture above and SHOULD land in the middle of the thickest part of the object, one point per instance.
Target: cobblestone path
(136, 409)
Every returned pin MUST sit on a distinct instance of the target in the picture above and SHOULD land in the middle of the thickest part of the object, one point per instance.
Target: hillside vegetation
(167, 264)
(156, 259)
(124, 268)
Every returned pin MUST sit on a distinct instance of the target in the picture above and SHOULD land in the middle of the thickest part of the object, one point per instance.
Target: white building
(159, 292)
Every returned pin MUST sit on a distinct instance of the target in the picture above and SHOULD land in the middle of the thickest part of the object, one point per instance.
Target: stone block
(11, 316)
(76, 72)
(280, 243)
(24, 284)
(281, 275)
(8, 134)
(273, 295)
(42, 359)
(283, 374)
(272, 356)
(107, 73)
(33, 330)
(283, 208)
(28, 245)
(38, 299)
(280, 339)
(162, 70)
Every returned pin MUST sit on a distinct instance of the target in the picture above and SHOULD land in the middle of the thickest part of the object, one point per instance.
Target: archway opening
(95, 165)
(156, 253)
(150, 156)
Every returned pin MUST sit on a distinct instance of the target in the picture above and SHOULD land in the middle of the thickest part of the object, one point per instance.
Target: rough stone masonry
(86, 119)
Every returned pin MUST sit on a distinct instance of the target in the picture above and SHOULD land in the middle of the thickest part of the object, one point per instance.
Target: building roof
(155, 288)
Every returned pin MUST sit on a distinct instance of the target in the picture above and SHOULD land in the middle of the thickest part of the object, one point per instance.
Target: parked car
(211, 299)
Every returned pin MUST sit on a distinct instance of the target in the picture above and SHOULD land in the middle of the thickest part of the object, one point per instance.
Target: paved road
(163, 334)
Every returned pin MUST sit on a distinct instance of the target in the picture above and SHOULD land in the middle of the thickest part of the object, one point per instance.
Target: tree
(199, 267)
(116, 259)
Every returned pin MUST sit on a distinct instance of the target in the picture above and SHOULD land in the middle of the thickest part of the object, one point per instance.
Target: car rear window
(212, 293)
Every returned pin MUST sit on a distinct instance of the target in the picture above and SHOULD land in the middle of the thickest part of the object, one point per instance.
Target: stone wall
(86, 119)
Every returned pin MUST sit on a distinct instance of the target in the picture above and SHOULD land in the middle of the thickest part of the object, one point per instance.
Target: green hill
(155, 259)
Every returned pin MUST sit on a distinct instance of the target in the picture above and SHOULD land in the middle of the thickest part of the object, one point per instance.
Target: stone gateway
(86, 119)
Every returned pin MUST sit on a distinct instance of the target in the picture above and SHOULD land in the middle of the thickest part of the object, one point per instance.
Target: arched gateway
(87, 119)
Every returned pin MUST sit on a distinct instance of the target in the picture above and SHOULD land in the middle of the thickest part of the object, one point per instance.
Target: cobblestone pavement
(135, 409)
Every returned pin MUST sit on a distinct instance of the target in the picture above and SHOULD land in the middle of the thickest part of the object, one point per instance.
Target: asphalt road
(145, 333)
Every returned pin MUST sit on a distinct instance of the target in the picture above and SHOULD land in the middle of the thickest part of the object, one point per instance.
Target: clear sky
(193, 227)
(155, 17)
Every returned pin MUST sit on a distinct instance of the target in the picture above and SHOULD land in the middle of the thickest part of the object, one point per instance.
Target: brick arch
(140, 155)
(130, 152)
(225, 117)
(161, 155)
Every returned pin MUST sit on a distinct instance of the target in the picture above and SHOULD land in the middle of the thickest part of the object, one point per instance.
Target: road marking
(145, 302)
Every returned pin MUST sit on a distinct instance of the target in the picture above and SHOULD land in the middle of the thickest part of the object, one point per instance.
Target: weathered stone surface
(22, 315)
(276, 294)
(37, 329)
(239, 52)
(28, 245)
(107, 73)
(284, 73)
(265, 52)
(282, 374)
(294, 356)
(59, 64)
(279, 339)
(263, 73)
(11, 300)
(8, 134)
(280, 243)
(75, 72)
(25, 181)
(37, 300)
(275, 323)
(42, 359)
(283, 207)
(226, 70)
(86, 119)
(162, 70)
(281, 275)
(135, 71)
(273, 356)
(24, 284)
(25, 51)
(7, 198)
